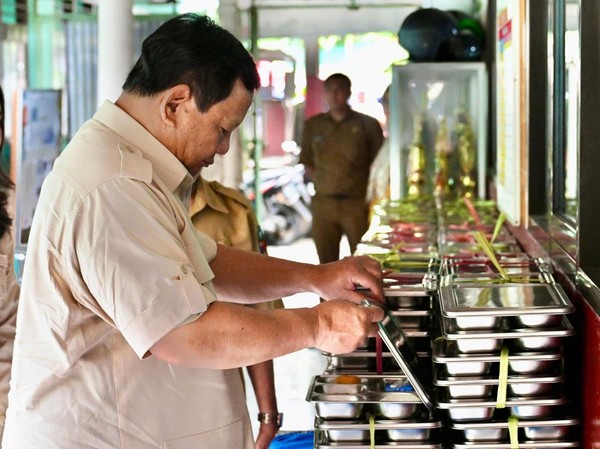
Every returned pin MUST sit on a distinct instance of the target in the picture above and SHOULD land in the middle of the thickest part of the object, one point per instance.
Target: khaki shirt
(341, 153)
(113, 265)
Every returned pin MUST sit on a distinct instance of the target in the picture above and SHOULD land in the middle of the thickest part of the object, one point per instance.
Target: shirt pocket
(3, 277)
(227, 437)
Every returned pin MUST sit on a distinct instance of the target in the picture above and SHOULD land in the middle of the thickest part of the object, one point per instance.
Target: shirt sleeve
(306, 156)
(132, 265)
(375, 133)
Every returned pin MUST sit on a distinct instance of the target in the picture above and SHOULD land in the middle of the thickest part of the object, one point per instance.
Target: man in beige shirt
(127, 329)
(227, 217)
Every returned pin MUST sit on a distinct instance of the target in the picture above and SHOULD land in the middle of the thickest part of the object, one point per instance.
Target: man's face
(205, 134)
(336, 94)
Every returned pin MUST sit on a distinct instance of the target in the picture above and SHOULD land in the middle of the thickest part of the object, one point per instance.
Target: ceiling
(313, 18)
(306, 18)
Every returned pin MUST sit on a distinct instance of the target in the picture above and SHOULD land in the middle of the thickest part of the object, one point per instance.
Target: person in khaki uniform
(227, 217)
(378, 188)
(130, 326)
(338, 147)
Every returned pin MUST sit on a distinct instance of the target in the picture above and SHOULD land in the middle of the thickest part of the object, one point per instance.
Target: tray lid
(503, 299)
(401, 349)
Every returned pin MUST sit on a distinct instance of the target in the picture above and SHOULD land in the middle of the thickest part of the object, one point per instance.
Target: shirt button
(184, 269)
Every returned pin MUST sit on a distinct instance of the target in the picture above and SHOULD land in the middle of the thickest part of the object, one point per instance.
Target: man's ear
(173, 103)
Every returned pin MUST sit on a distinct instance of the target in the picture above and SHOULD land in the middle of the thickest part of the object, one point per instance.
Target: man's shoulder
(364, 117)
(228, 193)
(318, 118)
(97, 153)
(369, 123)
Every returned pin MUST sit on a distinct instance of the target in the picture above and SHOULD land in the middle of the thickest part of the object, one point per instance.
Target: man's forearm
(230, 335)
(242, 276)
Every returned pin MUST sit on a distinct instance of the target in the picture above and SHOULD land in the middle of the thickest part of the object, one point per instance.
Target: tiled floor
(293, 372)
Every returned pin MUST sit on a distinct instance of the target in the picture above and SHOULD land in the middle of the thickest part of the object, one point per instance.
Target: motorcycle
(286, 199)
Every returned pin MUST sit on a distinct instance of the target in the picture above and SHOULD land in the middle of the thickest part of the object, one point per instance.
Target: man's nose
(223, 148)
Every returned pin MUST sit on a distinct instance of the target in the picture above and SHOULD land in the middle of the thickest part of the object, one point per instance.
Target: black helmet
(430, 34)
(425, 32)
(469, 43)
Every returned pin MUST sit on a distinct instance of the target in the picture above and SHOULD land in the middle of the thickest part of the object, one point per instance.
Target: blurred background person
(338, 148)
(378, 188)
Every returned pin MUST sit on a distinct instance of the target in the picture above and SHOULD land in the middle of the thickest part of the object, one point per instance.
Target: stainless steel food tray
(461, 236)
(408, 431)
(390, 445)
(460, 301)
(533, 430)
(415, 301)
(468, 255)
(517, 386)
(365, 362)
(447, 357)
(413, 319)
(483, 266)
(494, 279)
(397, 283)
(462, 410)
(522, 445)
(526, 339)
(391, 239)
(453, 249)
(342, 364)
(391, 397)
(357, 360)
(410, 263)
(322, 441)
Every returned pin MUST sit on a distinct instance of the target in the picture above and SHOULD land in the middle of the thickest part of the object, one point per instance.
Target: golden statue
(443, 149)
(416, 160)
(466, 149)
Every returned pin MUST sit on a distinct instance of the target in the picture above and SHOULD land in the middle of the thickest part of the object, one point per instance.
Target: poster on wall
(37, 144)
(509, 96)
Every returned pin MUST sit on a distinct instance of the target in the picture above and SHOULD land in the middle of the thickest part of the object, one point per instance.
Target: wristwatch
(271, 418)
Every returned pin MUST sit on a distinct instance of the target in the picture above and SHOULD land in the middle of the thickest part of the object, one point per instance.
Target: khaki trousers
(334, 217)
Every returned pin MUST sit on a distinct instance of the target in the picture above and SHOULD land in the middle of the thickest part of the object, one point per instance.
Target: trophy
(466, 154)
(416, 160)
(443, 149)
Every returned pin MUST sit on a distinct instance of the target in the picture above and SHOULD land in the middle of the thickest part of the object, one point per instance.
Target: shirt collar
(207, 196)
(164, 163)
(345, 119)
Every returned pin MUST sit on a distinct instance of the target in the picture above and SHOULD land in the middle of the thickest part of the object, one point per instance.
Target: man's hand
(266, 434)
(340, 279)
(343, 326)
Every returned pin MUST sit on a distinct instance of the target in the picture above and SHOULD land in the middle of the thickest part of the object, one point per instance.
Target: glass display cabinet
(438, 129)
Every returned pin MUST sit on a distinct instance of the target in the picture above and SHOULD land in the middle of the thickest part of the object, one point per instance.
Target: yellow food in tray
(347, 379)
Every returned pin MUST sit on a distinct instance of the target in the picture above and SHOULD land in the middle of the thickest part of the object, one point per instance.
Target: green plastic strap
(502, 379)
(483, 298)
(513, 432)
(372, 430)
(489, 251)
(498, 226)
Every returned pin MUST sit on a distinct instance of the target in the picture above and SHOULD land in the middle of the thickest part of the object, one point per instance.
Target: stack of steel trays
(499, 360)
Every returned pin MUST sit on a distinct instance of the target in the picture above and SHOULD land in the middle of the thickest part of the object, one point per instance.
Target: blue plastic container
(294, 440)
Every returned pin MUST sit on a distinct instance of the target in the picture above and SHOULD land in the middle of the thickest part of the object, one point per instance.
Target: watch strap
(271, 418)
